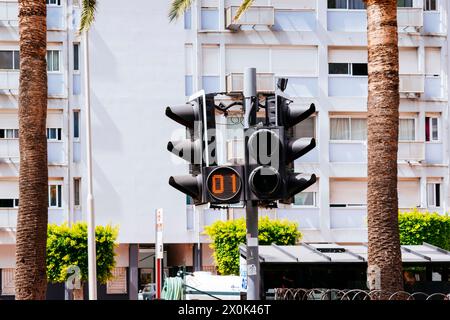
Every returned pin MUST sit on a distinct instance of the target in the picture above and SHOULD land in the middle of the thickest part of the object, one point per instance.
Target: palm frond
(87, 15)
(244, 6)
(178, 8)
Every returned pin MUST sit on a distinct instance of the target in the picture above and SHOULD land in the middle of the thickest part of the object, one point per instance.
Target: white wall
(137, 69)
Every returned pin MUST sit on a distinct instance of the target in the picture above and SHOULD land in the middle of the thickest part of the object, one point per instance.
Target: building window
(305, 199)
(53, 2)
(9, 203)
(346, 4)
(52, 60)
(354, 129)
(76, 57)
(76, 124)
(430, 5)
(54, 134)
(405, 3)
(352, 69)
(76, 191)
(187, 19)
(9, 60)
(407, 130)
(9, 133)
(55, 196)
(431, 129)
(434, 195)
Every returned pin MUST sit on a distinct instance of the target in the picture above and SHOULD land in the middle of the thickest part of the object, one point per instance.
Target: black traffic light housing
(287, 116)
(264, 152)
(198, 116)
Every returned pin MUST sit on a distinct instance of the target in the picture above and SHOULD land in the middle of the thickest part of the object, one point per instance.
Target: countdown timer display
(224, 183)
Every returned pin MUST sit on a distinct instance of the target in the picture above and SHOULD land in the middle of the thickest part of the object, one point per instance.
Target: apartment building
(321, 47)
(140, 63)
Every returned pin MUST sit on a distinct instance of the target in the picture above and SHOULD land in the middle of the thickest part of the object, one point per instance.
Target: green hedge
(67, 246)
(418, 227)
(226, 237)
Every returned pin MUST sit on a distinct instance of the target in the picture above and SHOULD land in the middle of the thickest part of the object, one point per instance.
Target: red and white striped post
(159, 252)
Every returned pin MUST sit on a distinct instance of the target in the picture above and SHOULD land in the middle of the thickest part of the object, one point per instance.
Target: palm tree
(384, 253)
(87, 15)
(31, 237)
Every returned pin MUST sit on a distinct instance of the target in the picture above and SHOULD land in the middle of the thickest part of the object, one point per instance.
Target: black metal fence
(353, 294)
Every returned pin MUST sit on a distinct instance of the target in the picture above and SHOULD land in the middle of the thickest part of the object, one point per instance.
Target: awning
(343, 253)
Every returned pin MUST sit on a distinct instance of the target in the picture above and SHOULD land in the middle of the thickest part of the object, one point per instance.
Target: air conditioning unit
(254, 16)
(265, 82)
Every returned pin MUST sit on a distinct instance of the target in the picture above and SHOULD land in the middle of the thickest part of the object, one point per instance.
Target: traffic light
(287, 116)
(263, 151)
(224, 184)
(198, 116)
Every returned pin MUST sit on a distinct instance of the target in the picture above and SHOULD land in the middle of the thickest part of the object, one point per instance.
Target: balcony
(56, 152)
(9, 148)
(254, 16)
(347, 86)
(306, 217)
(434, 152)
(348, 218)
(412, 84)
(347, 20)
(9, 82)
(411, 151)
(348, 151)
(265, 82)
(306, 87)
(408, 18)
(8, 217)
(55, 18)
(9, 13)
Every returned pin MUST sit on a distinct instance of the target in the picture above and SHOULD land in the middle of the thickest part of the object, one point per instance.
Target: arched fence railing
(353, 294)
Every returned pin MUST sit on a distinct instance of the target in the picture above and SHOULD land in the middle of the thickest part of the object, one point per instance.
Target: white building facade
(140, 63)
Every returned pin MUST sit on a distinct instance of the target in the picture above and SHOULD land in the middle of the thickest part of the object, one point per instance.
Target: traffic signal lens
(264, 146)
(264, 181)
(224, 183)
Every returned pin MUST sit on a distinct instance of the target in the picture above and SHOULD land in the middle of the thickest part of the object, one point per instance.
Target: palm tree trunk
(384, 256)
(31, 279)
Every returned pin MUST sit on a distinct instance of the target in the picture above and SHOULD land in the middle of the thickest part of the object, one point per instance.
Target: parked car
(148, 292)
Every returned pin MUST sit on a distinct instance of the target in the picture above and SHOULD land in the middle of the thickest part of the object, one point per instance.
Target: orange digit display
(218, 188)
(224, 183)
(233, 182)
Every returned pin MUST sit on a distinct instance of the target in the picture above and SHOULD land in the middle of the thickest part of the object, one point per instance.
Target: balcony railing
(411, 150)
(8, 217)
(412, 83)
(265, 82)
(254, 16)
(9, 82)
(409, 17)
(9, 148)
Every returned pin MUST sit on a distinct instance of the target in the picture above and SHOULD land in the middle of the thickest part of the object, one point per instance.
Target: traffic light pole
(251, 208)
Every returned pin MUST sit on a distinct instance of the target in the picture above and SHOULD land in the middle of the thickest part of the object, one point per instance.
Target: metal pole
(251, 210)
(92, 261)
